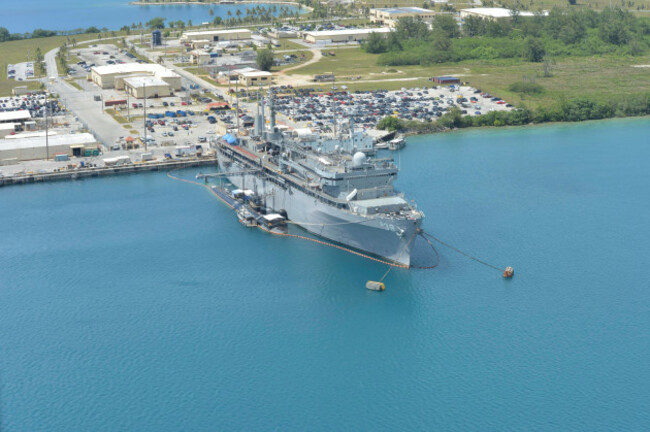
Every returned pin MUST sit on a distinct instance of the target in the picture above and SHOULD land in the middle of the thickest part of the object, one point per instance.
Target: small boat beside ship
(397, 143)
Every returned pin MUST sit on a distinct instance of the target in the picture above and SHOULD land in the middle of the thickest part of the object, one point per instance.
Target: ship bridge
(390, 204)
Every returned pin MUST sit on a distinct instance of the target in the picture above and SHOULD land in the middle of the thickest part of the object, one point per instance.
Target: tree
(447, 24)
(156, 23)
(40, 64)
(441, 41)
(411, 28)
(375, 44)
(534, 50)
(393, 43)
(474, 26)
(390, 123)
(210, 11)
(264, 59)
(4, 34)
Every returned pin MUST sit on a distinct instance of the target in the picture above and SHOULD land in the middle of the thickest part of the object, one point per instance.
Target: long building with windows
(390, 16)
(495, 13)
(340, 36)
(211, 36)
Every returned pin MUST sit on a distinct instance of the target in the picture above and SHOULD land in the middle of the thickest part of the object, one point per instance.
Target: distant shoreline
(157, 3)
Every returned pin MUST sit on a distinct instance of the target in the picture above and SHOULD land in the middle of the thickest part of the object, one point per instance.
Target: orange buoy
(508, 272)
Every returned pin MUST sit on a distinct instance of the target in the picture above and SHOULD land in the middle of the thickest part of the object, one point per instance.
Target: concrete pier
(80, 173)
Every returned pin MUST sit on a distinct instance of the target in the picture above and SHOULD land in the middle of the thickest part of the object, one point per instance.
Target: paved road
(83, 105)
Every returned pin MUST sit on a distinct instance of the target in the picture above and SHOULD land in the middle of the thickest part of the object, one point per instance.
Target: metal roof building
(15, 116)
(347, 35)
(146, 86)
(494, 13)
(216, 35)
(34, 147)
(113, 76)
(250, 76)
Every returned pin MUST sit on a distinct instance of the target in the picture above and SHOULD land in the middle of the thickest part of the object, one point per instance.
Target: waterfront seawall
(80, 173)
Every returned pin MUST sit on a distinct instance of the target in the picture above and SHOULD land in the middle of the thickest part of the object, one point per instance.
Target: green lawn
(17, 52)
(597, 78)
(286, 44)
(308, 56)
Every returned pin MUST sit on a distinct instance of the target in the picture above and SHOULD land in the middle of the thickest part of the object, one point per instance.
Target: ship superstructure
(328, 185)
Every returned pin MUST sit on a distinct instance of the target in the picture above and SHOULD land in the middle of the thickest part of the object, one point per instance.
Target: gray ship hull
(386, 237)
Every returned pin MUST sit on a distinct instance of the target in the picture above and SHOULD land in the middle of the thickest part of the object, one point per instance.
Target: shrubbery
(562, 33)
(574, 110)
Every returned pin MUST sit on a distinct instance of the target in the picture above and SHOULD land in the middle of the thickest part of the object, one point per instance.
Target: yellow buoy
(375, 286)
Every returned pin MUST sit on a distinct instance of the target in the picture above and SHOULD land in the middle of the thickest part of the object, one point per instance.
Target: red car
(501, 102)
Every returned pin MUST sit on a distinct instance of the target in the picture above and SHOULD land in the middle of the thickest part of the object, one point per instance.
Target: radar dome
(358, 159)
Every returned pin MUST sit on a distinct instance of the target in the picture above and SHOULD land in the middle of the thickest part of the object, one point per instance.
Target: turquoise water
(139, 303)
(28, 15)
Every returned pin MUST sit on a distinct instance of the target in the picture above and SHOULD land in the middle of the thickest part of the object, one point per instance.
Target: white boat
(397, 143)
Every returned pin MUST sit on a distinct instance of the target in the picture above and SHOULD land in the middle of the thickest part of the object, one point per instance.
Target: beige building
(252, 77)
(113, 76)
(212, 36)
(347, 35)
(389, 16)
(199, 56)
(199, 43)
(33, 146)
(143, 86)
(494, 13)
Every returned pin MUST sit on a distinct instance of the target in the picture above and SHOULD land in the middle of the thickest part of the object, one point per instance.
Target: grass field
(308, 56)
(17, 52)
(598, 78)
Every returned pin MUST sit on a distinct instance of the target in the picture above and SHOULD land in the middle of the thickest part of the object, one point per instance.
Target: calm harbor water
(139, 303)
(28, 15)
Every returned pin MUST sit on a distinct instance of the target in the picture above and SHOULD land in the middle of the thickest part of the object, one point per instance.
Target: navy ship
(330, 185)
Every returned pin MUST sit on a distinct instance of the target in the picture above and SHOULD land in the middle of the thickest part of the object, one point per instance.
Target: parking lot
(99, 55)
(20, 71)
(312, 108)
(35, 103)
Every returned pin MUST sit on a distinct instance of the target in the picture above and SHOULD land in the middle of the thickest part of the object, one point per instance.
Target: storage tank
(156, 38)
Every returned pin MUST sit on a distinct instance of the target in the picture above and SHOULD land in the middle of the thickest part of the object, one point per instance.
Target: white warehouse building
(347, 35)
(33, 146)
(211, 36)
(114, 76)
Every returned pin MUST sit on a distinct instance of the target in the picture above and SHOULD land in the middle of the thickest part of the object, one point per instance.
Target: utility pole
(144, 93)
(128, 108)
(47, 141)
(237, 98)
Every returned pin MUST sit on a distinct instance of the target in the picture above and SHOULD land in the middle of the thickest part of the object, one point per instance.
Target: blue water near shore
(139, 303)
(28, 15)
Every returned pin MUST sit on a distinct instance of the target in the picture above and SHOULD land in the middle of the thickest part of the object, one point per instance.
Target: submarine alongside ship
(331, 186)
